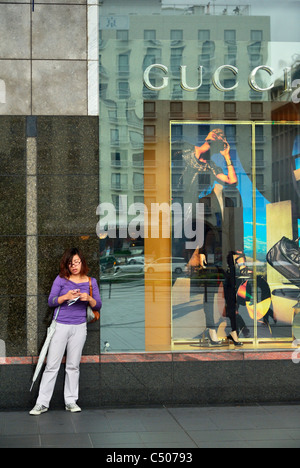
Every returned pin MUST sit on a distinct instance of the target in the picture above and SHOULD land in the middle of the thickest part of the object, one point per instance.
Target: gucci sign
(216, 78)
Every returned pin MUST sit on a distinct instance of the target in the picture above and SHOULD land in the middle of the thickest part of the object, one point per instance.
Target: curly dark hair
(219, 133)
(67, 258)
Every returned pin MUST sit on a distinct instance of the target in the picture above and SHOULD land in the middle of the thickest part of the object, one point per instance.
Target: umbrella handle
(54, 318)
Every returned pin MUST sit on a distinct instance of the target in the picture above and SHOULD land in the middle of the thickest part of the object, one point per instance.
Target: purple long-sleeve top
(74, 314)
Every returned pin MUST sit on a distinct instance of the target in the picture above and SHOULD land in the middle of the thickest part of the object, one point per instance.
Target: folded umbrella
(44, 350)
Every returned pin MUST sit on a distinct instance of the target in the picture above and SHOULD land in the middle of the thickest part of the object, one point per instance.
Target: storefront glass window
(199, 174)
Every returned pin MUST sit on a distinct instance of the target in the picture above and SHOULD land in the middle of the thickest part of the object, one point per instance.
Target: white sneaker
(73, 408)
(38, 409)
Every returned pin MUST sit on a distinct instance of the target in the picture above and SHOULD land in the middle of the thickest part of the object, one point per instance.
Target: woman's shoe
(236, 343)
(38, 409)
(73, 408)
(214, 342)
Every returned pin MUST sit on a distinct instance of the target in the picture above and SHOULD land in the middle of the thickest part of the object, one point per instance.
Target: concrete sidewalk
(275, 426)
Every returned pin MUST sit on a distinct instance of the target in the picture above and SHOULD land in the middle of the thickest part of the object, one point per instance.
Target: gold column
(157, 285)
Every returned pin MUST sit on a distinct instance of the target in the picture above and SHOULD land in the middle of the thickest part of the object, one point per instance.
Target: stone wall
(49, 158)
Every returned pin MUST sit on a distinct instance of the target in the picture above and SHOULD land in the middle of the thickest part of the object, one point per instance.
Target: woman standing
(223, 227)
(70, 292)
(231, 299)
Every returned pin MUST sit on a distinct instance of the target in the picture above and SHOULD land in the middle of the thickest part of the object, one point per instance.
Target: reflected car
(108, 263)
(136, 260)
(178, 265)
(129, 268)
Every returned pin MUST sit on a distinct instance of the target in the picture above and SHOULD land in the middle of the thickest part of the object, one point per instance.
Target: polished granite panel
(13, 323)
(68, 195)
(12, 234)
(13, 265)
(208, 382)
(12, 205)
(68, 145)
(272, 381)
(155, 383)
(13, 295)
(136, 383)
(67, 205)
(68, 180)
(13, 145)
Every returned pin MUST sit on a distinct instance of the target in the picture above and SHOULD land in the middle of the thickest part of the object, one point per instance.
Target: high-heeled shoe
(213, 342)
(236, 343)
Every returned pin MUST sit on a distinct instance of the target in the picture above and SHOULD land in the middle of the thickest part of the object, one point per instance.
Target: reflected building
(134, 130)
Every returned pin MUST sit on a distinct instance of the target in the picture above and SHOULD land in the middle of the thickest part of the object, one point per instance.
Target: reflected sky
(284, 15)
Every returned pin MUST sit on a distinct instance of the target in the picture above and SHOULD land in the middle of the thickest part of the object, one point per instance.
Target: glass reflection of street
(123, 317)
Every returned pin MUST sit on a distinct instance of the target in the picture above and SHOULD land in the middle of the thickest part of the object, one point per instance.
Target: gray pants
(72, 339)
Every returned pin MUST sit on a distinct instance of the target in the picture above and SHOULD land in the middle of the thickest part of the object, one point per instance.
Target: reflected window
(149, 109)
(256, 35)
(138, 181)
(138, 160)
(230, 35)
(204, 35)
(150, 34)
(149, 132)
(176, 35)
(123, 35)
(124, 90)
(124, 64)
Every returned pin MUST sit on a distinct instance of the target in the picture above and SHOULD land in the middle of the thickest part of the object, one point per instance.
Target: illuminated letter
(252, 79)
(164, 209)
(107, 225)
(296, 92)
(198, 233)
(216, 78)
(147, 82)
(183, 79)
(287, 79)
(138, 226)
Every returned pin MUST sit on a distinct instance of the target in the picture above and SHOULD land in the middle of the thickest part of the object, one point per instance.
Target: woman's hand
(231, 177)
(86, 297)
(226, 151)
(70, 295)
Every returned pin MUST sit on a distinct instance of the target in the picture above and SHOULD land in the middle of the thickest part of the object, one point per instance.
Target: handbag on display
(285, 258)
(91, 315)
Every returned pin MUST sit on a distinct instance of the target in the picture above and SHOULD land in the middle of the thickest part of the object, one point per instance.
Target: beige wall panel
(59, 32)
(59, 87)
(15, 92)
(15, 31)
